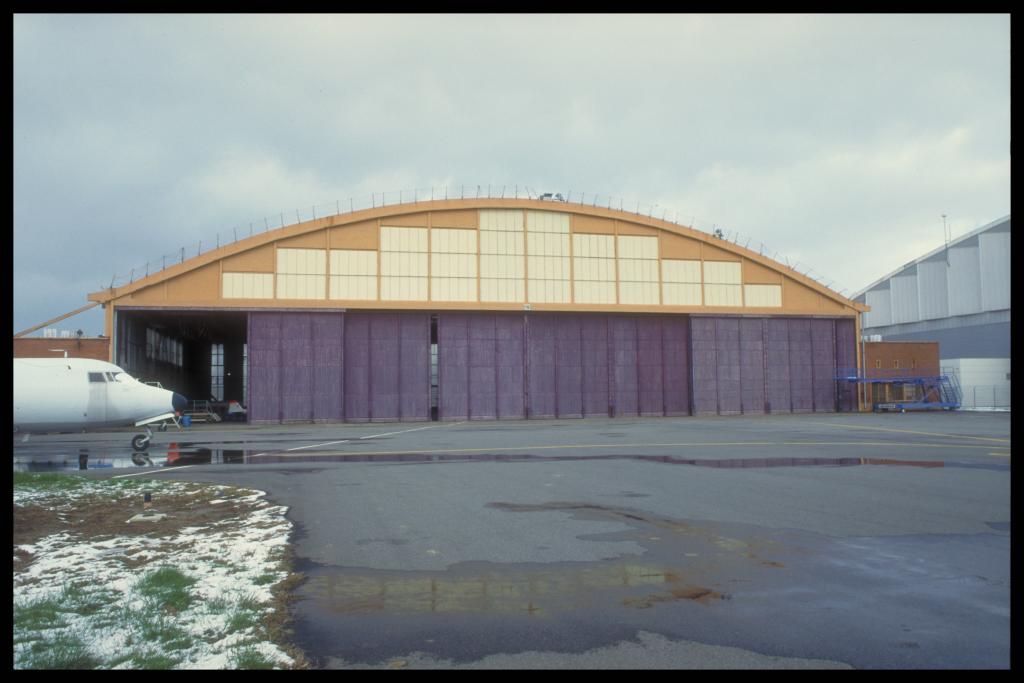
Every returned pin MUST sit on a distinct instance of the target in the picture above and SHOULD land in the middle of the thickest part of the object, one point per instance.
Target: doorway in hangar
(199, 354)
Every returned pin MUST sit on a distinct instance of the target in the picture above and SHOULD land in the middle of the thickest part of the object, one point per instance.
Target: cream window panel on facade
(301, 273)
(722, 283)
(248, 286)
(722, 273)
(353, 274)
(502, 256)
(548, 257)
(403, 264)
(638, 270)
(723, 295)
(762, 295)
(594, 269)
(453, 265)
(681, 284)
(501, 219)
(547, 221)
(681, 294)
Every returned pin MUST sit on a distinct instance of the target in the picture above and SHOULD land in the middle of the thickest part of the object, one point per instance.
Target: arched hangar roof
(485, 254)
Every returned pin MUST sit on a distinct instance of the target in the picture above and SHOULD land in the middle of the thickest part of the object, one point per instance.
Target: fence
(380, 199)
(985, 397)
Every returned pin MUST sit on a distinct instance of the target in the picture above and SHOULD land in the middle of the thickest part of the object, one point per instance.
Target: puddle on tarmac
(724, 463)
(88, 459)
(187, 454)
(502, 590)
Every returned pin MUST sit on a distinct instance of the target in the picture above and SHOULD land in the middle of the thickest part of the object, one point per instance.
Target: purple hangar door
(650, 366)
(777, 375)
(328, 366)
(823, 349)
(624, 380)
(480, 366)
(846, 361)
(752, 370)
(387, 366)
(705, 366)
(264, 336)
(801, 365)
(594, 365)
(541, 367)
(568, 367)
(676, 359)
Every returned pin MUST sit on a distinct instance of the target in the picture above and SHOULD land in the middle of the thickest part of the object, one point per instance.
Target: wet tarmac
(875, 542)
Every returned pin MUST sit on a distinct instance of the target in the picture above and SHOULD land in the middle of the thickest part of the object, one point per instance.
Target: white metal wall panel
(547, 221)
(904, 298)
(723, 295)
(248, 285)
(765, 296)
(881, 308)
(994, 252)
(964, 281)
(932, 289)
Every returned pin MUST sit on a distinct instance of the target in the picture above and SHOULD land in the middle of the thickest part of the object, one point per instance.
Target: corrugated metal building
(487, 309)
(959, 296)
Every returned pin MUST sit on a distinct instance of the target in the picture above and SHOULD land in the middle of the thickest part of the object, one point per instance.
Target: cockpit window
(96, 377)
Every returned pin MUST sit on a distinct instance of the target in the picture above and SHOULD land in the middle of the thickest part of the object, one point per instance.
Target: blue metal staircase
(928, 391)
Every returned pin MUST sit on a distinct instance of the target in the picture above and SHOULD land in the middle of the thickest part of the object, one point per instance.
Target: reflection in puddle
(724, 463)
(88, 460)
(527, 592)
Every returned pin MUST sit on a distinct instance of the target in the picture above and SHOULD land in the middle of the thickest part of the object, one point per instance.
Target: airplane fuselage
(72, 394)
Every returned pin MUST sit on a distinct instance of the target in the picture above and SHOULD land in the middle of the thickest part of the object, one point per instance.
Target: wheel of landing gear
(140, 442)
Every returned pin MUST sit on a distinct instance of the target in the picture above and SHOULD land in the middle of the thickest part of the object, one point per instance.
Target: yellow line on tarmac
(1001, 454)
(908, 431)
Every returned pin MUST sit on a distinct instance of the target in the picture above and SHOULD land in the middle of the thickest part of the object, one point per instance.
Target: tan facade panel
(149, 295)
(677, 247)
(593, 225)
(362, 235)
(311, 240)
(455, 219)
(756, 274)
(258, 260)
(201, 284)
(404, 263)
(453, 264)
(412, 220)
(798, 296)
(627, 228)
(710, 252)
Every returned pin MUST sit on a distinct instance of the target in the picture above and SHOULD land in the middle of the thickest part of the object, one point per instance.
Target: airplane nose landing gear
(140, 442)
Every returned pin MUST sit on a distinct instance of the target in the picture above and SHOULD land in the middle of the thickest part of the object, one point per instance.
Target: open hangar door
(199, 354)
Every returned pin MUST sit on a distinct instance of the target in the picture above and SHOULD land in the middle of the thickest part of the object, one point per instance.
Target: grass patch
(251, 658)
(265, 579)
(47, 481)
(38, 615)
(66, 652)
(168, 588)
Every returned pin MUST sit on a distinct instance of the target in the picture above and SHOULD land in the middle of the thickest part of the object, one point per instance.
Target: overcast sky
(837, 141)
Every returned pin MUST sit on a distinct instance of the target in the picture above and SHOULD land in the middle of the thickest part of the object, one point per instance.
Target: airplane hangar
(487, 309)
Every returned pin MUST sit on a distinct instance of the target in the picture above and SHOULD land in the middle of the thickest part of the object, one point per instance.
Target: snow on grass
(192, 598)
